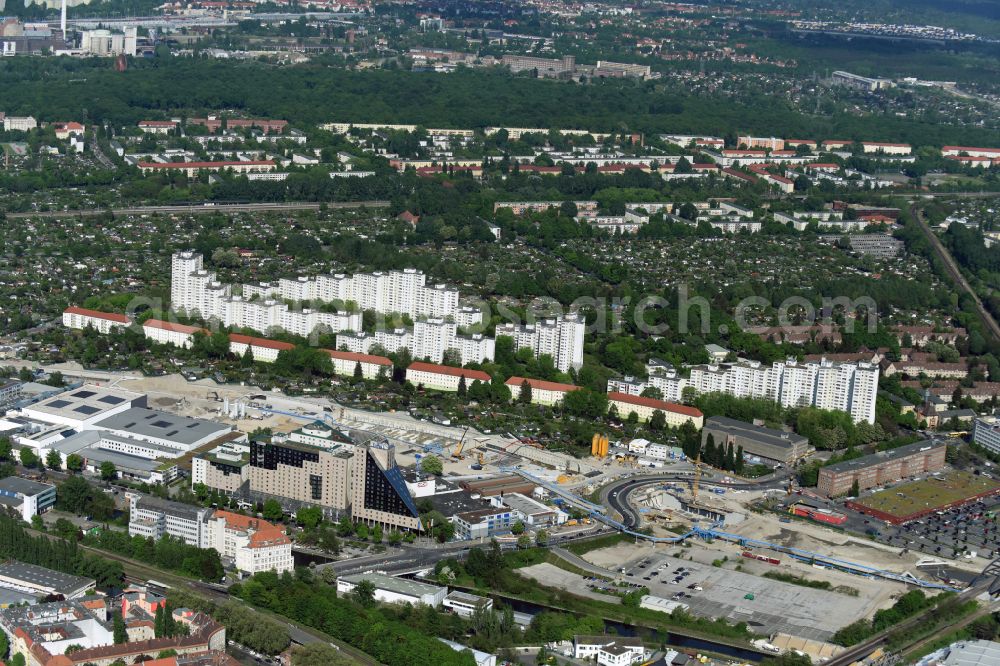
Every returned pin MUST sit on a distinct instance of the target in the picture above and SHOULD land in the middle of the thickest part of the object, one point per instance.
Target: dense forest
(313, 93)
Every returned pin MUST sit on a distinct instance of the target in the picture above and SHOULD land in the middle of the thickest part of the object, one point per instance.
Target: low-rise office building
(465, 604)
(883, 467)
(391, 590)
(483, 523)
(609, 650)
(153, 518)
(773, 446)
(26, 497)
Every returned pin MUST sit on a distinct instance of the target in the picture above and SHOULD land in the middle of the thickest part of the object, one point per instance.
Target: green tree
(364, 593)
(358, 372)
(74, 462)
(28, 457)
(53, 460)
(855, 489)
(118, 628)
(541, 537)
(309, 516)
(524, 395)
(432, 465)
(108, 470)
(319, 654)
(273, 511)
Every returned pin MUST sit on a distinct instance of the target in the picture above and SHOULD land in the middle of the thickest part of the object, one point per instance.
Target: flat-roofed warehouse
(39, 580)
(83, 407)
(179, 433)
(395, 590)
(775, 446)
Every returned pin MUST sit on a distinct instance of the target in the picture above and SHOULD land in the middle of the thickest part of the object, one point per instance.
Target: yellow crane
(457, 453)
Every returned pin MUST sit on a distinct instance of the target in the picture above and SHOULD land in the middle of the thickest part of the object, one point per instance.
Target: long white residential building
(195, 290)
(262, 307)
(429, 338)
(559, 337)
(845, 387)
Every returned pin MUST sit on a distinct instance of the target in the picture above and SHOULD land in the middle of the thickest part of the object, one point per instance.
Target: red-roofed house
(372, 366)
(955, 151)
(836, 144)
(165, 332)
(542, 392)
(442, 377)
(886, 148)
(157, 126)
(408, 217)
(102, 322)
(254, 545)
(66, 130)
(262, 349)
(786, 185)
(644, 408)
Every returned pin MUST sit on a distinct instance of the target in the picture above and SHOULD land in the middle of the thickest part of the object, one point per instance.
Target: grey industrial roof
(15, 484)
(884, 456)
(62, 583)
(525, 504)
(162, 425)
(86, 402)
(754, 432)
(170, 508)
(397, 585)
(459, 595)
(122, 461)
(973, 653)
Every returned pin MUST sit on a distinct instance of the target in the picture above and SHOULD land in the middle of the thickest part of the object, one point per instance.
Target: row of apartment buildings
(845, 387)
(436, 309)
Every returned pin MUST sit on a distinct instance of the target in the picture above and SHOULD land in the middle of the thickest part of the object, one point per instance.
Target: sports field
(928, 494)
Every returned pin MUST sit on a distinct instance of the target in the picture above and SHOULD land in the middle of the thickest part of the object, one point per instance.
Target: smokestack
(62, 20)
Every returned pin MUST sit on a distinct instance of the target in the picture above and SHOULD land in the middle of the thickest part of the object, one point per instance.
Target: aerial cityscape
(478, 333)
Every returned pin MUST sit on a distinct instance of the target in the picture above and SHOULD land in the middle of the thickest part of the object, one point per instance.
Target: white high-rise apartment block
(429, 338)
(263, 307)
(559, 337)
(846, 387)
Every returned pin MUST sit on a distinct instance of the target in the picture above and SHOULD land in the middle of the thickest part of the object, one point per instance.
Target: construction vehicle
(457, 452)
(480, 461)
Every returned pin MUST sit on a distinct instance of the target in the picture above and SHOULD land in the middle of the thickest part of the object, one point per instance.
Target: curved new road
(616, 495)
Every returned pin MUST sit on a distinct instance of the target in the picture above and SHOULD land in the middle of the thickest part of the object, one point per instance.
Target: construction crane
(697, 479)
(457, 453)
